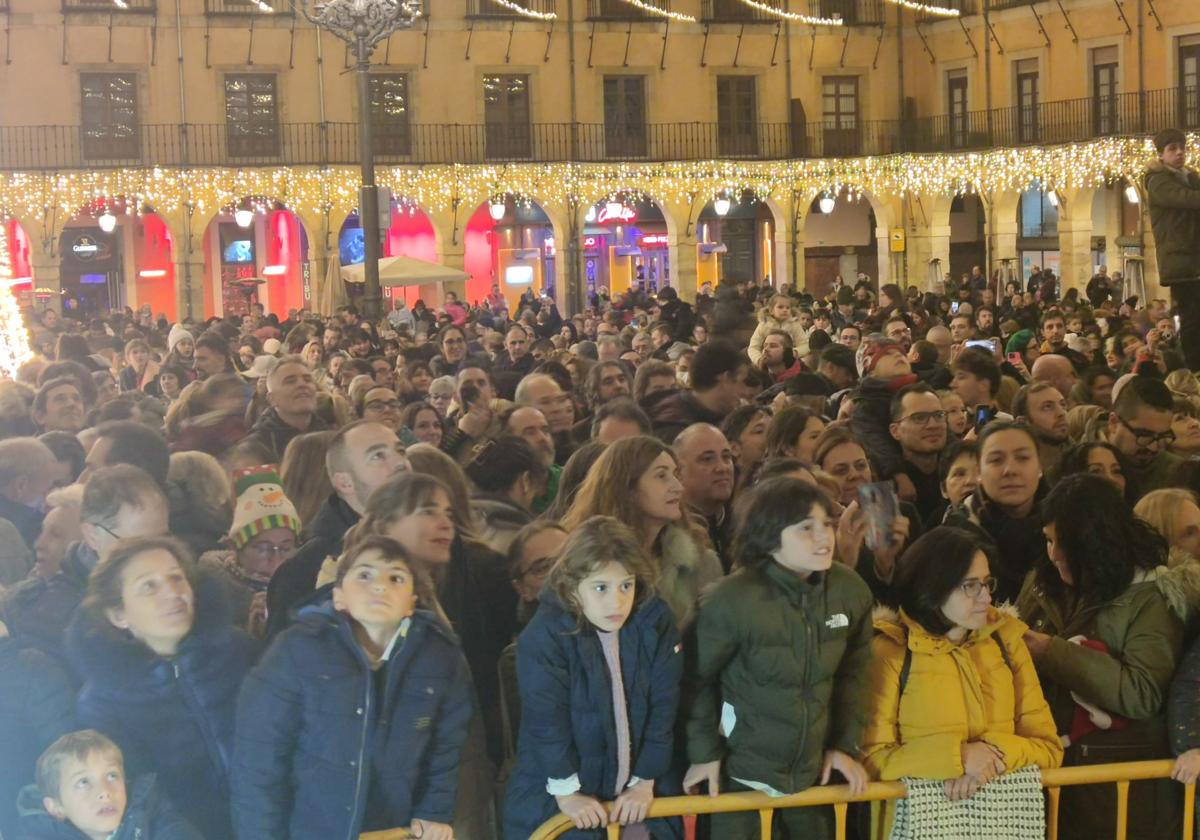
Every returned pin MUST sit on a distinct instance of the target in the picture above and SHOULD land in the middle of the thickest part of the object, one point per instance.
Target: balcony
(601, 10)
(964, 7)
(735, 11)
(244, 8)
(491, 9)
(129, 7)
(317, 144)
(852, 12)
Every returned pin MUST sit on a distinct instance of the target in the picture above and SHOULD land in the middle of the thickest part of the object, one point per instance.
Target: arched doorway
(968, 236)
(840, 241)
(735, 235)
(410, 234)
(20, 262)
(626, 244)
(256, 251)
(1118, 236)
(115, 255)
(1037, 232)
(509, 242)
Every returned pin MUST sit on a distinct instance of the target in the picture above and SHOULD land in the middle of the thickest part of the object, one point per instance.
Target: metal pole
(368, 201)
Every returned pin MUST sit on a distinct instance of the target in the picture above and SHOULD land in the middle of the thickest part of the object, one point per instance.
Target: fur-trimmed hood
(1179, 583)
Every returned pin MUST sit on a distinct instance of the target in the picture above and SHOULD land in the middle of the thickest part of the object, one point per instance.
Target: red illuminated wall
(287, 245)
(480, 256)
(152, 250)
(18, 256)
(410, 235)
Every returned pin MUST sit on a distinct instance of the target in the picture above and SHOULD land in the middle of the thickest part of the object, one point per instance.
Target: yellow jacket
(955, 693)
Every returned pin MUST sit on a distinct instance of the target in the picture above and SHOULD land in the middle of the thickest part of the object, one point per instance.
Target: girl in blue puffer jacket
(356, 717)
(598, 667)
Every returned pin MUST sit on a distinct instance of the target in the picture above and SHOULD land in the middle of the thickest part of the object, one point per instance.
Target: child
(81, 793)
(777, 670)
(598, 669)
(778, 315)
(356, 717)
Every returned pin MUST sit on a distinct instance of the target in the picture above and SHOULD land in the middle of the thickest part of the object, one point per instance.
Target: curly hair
(1103, 542)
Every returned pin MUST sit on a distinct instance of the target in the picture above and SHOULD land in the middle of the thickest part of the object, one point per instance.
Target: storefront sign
(654, 240)
(626, 215)
(548, 244)
(85, 248)
(589, 242)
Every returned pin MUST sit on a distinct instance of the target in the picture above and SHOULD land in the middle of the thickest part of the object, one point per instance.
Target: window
(109, 116)
(390, 130)
(251, 116)
(1189, 81)
(1027, 100)
(506, 115)
(1105, 111)
(956, 107)
(1039, 218)
(839, 104)
(737, 116)
(625, 116)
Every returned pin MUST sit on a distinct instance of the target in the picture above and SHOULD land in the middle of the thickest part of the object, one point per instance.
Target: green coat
(1144, 639)
(790, 657)
(1175, 217)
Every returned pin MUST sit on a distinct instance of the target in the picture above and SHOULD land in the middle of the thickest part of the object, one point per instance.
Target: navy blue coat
(148, 816)
(172, 717)
(567, 723)
(314, 736)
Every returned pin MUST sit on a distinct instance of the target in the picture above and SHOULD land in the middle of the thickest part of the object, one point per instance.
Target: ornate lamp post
(363, 24)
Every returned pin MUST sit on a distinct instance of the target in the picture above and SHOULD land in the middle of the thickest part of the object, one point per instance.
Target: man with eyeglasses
(919, 426)
(118, 502)
(1139, 425)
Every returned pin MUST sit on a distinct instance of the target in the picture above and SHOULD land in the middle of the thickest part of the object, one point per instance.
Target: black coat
(273, 435)
(172, 717)
(148, 816)
(314, 719)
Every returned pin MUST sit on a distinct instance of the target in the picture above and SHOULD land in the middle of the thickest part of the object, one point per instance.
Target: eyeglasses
(538, 568)
(1147, 439)
(266, 550)
(973, 588)
(107, 530)
(924, 418)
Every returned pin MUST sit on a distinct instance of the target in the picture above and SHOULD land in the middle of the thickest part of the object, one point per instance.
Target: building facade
(194, 156)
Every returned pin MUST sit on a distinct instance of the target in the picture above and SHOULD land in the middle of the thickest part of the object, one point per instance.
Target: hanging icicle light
(926, 8)
(523, 11)
(782, 14)
(662, 13)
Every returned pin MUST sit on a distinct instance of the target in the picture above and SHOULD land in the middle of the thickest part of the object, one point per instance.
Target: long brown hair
(430, 460)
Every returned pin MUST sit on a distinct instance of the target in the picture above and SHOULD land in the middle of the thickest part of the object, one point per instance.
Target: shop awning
(405, 271)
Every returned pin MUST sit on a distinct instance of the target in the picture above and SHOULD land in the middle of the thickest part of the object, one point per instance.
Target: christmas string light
(915, 6)
(657, 12)
(14, 340)
(783, 14)
(525, 12)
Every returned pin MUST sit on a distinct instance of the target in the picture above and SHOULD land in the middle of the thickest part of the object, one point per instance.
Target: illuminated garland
(654, 10)
(524, 12)
(53, 198)
(14, 340)
(924, 7)
(783, 14)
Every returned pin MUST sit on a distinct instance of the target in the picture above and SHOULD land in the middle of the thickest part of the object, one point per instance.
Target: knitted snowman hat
(261, 505)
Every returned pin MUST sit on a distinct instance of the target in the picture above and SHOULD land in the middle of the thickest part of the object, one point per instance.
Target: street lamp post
(363, 24)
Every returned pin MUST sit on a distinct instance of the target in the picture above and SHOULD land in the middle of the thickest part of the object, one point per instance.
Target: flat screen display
(518, 275)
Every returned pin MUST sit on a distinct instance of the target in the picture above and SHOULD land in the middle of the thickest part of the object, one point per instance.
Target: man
(1139, 426)
(27, 468)
(706, 470)
(606, 381)
(985, 322)
(543, 393)
(976, 379)
(530, 424)
(58, 406)
(643, 345)
(382, 372)
(897, 330)
(332, 338)
(128, 442)
(1099, 288)
(962, 328)
(850, 336)
(1045, 411)
(700, 334)
(919, 426)
(717, 372)
(778, 356)
(940, 338)
(1173, 198)
(118, 502)
(620, 418)
(1054, 331)
(515, 362)
(292, 411)
(978, 281)
(608, 348)
(211, 356)
(662, 338)
(362, 456)
(1057, 371)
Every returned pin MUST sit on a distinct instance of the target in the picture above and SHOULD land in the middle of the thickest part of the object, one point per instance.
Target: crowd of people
(462, 570)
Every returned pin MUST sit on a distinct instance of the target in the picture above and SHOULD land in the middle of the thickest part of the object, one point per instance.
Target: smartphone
(954, 308)
(1015, 359)
(880, 507)
(469, 395)
(985, 343)
(983, 416)
(1177, 325)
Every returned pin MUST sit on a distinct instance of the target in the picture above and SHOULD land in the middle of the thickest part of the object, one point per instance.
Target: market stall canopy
(405, 271)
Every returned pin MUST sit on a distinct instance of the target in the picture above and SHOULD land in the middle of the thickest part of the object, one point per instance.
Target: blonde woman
(1175, 514)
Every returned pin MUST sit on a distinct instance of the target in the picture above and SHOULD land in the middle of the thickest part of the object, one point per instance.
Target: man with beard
(1139, 426)
(919, 426)
(530, 424)
(606, 381)
(1045, 410)
(542, 392)
(58, 406)
(362, 456)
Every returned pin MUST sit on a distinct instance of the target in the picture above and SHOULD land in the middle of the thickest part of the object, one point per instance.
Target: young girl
(598, 669)
(356, 717)
(777, 671)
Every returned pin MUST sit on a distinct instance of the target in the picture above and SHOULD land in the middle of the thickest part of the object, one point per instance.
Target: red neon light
(654, 240)
(627, 215)
(589, 242)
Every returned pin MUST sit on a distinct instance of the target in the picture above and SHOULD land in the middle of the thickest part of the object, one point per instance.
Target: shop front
(256, 253)
(625, 246)
(509, 243)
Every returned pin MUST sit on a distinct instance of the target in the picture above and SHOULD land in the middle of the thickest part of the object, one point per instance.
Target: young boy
(355, 719)
(81, 793)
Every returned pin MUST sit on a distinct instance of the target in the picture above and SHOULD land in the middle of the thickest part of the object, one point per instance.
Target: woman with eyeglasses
(952, 691)
(1105, 639)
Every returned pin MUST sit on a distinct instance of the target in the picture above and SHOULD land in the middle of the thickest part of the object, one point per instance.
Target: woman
(635, 480)
(171, 381)
(423, 420)
(1175, 515)
(60, 528)
(452, 342)
(138, 369)
(1025, 343)
(1186, 426)
(418, 378)
(441, 394)
(506, 475)
(746, 430)
(1003, 509)
(161, 666)
(209, 416)
(305, 479)
(793, 433)
(313, 355)
(952, 693)
(958, 474)
(200, 500)
(1105, 643)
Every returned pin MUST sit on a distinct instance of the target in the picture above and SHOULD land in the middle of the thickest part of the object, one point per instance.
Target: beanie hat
(261, 505)
(877, 352)
(845, 296)
(1018, 341)
(840, 355)
(1166, 137)
(272, 346)
(177, 334)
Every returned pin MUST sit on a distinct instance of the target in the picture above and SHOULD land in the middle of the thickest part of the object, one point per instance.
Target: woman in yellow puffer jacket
(952, 691)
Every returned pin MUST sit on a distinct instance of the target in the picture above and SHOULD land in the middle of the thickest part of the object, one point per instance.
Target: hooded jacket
(173, 717)
(567, 723)
(779, 664)
(766, 324)
(955, 693)
(1173, 199)
(148, 816)
(38, 609)
(321, 735)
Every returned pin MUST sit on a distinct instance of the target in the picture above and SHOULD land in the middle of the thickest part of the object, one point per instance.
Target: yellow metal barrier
(839, 797)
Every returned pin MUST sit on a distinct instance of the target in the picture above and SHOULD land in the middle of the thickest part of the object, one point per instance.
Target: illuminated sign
(589, 242)
(609, 214)
(548, 244)
(85, 247)
(654, 240)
